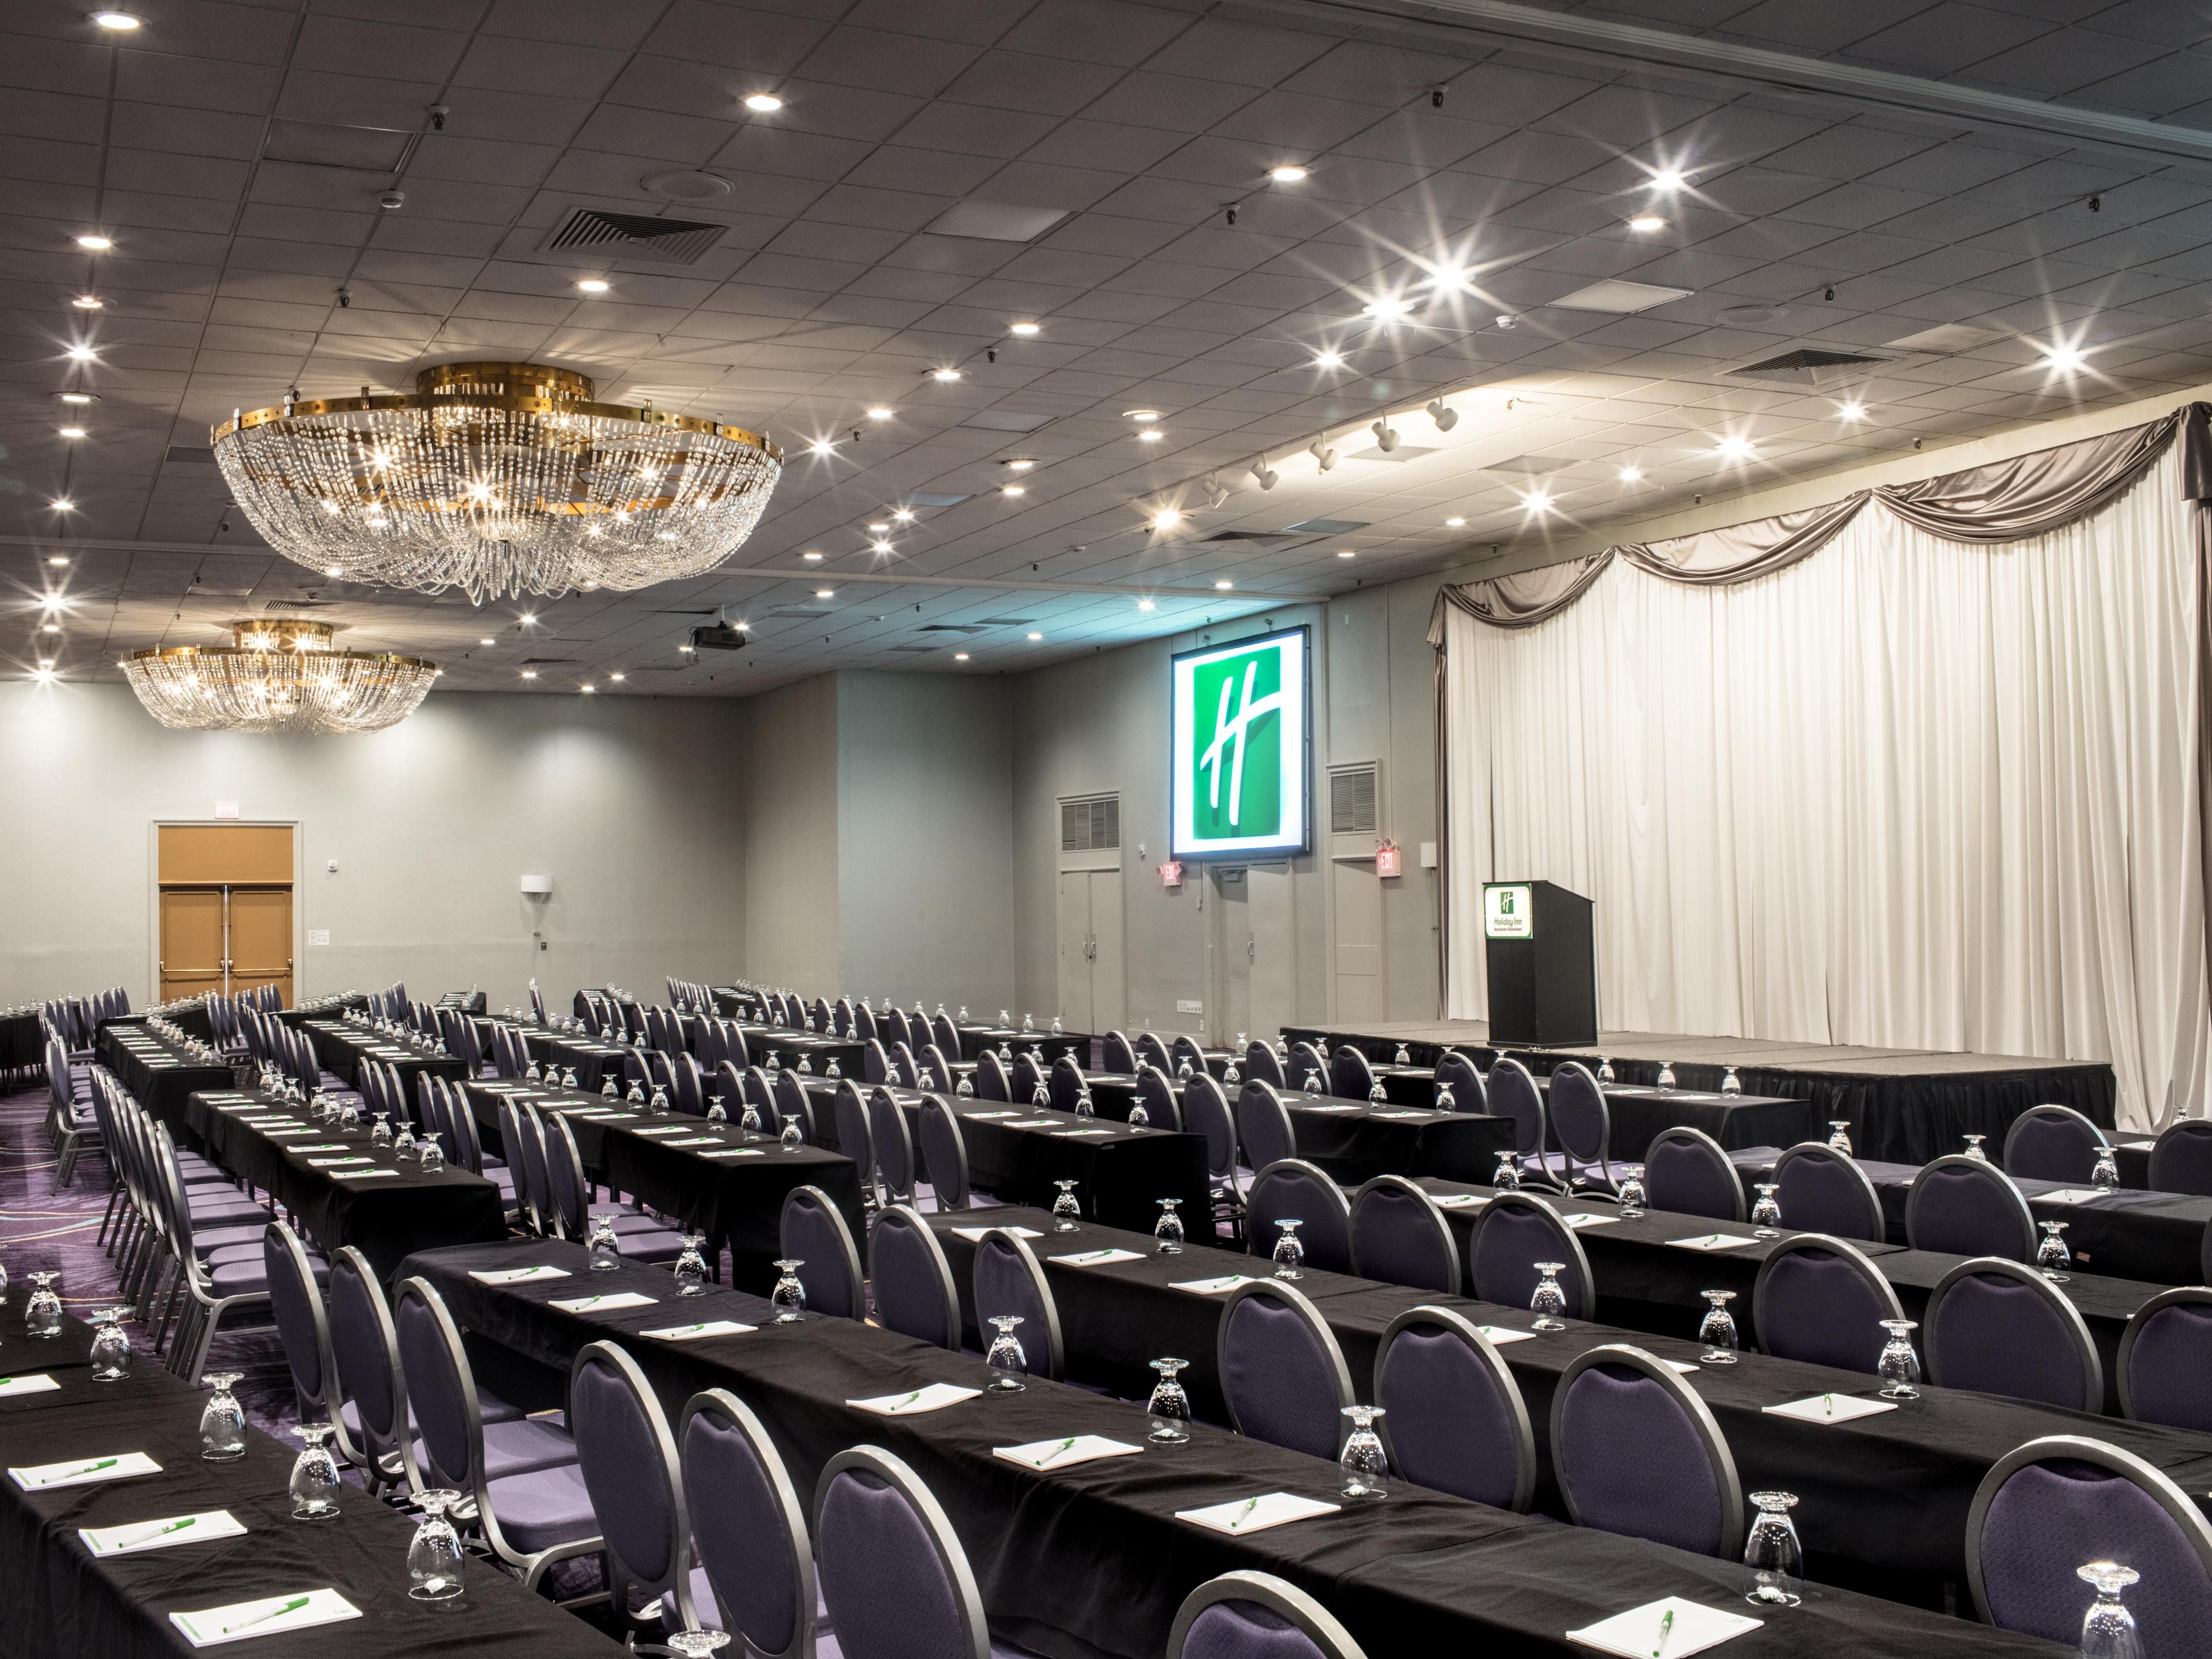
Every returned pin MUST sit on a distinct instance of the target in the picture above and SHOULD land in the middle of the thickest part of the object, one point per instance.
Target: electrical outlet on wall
(1185, 1006)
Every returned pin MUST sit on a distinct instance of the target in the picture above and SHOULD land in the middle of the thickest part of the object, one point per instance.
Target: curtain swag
(2004, 502)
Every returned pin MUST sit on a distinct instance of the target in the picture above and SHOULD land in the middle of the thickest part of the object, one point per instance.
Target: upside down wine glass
(1507, 1179)
(1363, 1461)
(1766, 1214)
(1632, 1195)
(42, 1314)
(2108, 1629)
(1010, 1367)
(1167, 1233)
(1772, 1553)
(1169, 1406)
(222, 1420)
(434, 1556)
(605, 1248)
(315, 1484)
(1289, 1254)
(789, 1296)
(1066, 1214)
(1718, 1332)
(111, 1347)
(2052, 1255)
(691, 1267)
(1548, 1302)
(1899, 1366)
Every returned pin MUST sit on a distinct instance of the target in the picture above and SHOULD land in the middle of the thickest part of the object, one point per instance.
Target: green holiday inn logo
(1237, 760)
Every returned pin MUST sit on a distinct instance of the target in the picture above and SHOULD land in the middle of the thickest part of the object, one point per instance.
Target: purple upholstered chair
(2181, 1159)
(637, 1235)
(1260, 1061)
(945, 1155)
(1513, 1094)
(1150, 1049)
(756, 1572)
(2000, 1327)
(1290, 1189)
(1282, 1373)
(1157, 1096)
(1024, 1079)
(303, 1327)
(792, 1101)
(1185, 1053)
(1517, 1231)
(367, 1392)
(914, 1292)
(1455, 1072)
(1119, 1055)
(1350, 1075)
(1960, 1206)
(1636, 1451)
(1205, 1111)
(2164, 1360)
(895, 1029)
(991, 1082)
(1064, 1083)
(1686, 1171)
(2052, 1143)
(893, 1577)
(758, 1090)
(875, 1064)
(1819, 1300)
(690, 1092)
(1581, 1130)
(532, 1507)
(2055, 1503)
(1822, 1190)
(907, 1067)
(1008, 1279)
(1400, 1237)
(628, 1459)
(938, 1071)
(866, 1025)
(1263, 1124)
(895, 1166)
(1255, 1615)
(811, 1231)
(1453, 1417)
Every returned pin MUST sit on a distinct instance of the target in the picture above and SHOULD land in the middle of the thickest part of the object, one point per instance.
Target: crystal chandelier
(497, 478)
(277, 676)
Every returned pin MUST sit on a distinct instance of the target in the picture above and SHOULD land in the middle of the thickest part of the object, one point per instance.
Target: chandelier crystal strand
(277, 676)
(501, 479)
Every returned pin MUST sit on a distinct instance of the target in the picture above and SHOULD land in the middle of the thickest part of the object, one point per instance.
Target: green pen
(1064, 1447)
(908, 1400)
(162, 1530)
(1828, 1402)
(88, 1468)
(293, 1605)
(1250, 1504)
(688, 1330)
(1666, 1624)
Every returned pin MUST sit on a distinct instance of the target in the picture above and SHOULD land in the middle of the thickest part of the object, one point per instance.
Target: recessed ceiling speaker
(1752, 316)
(687, 184)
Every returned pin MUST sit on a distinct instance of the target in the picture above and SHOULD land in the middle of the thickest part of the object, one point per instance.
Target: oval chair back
(811, 1231)
(365, 1349)
(1282, 1373)
(944, 1154)
(1263, 1124)
(1819, 1300)
(1514, 1094)
(2000, 1327)
(301, 1323)
(1517, 1231)
(1260, 1061)
(1157, 1096)
(2052, 1143)
(914, 1292)
(894, 1167)
(1453, 1417)
(2069, 1498)
(1256, 1615)
(1065, 1083)
(1305, 1061)
(1470, 1093)
(1822, 1190)
(793, 1102)
(1290, 1189)
(2166, 1360)
(628, 1459)
(991, 1082)
(1008, 1279)
(1581, 1126)
(1686, 1171)
(1185, 1051)
(1205, 1111)
(894, 1578)
(1119, 1055)
(1024, 1080)
(1350, 1075)
(1960, 1206)
(1149, 1049)
(1400, 1237)
(2181, 1157)
(855, 1138)
(875, 1064)
(1637, 1452)
(750, 1527)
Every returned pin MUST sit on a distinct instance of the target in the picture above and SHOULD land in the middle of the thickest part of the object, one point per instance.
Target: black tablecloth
(592, 1060)
(1089, 1562)
(734, 1201)
(339, 1047)
(161, 1082)
(61, 1603)
(1889, 1491)
(1121, 1174)
(790, 1047)
(731, 1003)
(22, 1049)
(329, 1007)
(385, 1217)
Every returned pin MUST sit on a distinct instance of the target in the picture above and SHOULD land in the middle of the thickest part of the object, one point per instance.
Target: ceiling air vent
(952, 628)
(634, 236)
(1090, 826)
(186, 455)
(282, 605)
(1810, 365)
(1257, 538)
(1351, 802)
(924, 650)
(1004, 621)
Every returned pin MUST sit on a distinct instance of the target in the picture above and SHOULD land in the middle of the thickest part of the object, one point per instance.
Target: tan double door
(225, 924)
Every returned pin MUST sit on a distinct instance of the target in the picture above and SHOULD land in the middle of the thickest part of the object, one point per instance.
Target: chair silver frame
(721, 1403)
(2084, 1345)
(893, 1472)
(620, 1578)
(1285, 1601)
(2124, 1362)
(1056, 1367)
(1296, 1300)
(1448, 1239)
(1981, 1170)
(1466, 1331)
(1823, 1153)
(904, 1216)
(1684, 1133)
(1730, 1546)
(815, 1198)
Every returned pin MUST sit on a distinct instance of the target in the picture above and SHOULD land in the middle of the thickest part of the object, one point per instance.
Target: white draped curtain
(1904, 793)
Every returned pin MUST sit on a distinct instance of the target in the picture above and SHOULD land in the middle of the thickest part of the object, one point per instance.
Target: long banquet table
(159, 1075)
(340, 1047)
(1090, 1562)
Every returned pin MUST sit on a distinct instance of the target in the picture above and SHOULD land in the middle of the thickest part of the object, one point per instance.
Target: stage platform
(1904, 1105)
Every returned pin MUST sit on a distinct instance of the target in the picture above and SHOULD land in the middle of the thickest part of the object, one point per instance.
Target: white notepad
(1399, 1114)
(1461, 1202)
(1097, 1258)
(695, 1141)
(39, 1382)
(934, 1398)
(1244, 1515)
(368, 1175)
(1325, 1108)
(1032, 1123)
(1082, 1134)
(987, 1116)
(1636, 1634)
(1711, 1241)
(84, 1471)
(606, 1304)
(519, 1275)
(665, 1129)
(2068, 1195)
(705, 1328)
(735, 1151)
(338, 1162)
(1212, 1286)
(976, 1235)
(270, 1616)
(326, 1146)
(1584, 1219)
(1065, 1453)
(165, 1533)
(1825, 1408)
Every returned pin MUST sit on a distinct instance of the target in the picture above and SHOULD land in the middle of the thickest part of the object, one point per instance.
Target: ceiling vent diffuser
(634, 236)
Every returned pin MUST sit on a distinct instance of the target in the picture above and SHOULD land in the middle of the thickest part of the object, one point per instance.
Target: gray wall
(789, 760)
(631, 804)
(925, 838)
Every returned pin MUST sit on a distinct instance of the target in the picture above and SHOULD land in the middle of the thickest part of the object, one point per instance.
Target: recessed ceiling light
(1225, 586)
(1733, 448)
(59, 558)
(822, 446)
(51, 628)
(1140, 415)
(2065, 359)
(64, 506)
(1025, 330)
(78, 396)
(1151, 434)
(1328, 360)
(1850, 409)
(587, 689)
(95, 244)
(44, 671)
(121, 21)
(873, 530)
(945, 375)
(1538, 501)
(825, 592)
(1345, 553)
(1630, 475)
(1036, 636)
(1013, 489)
(529, 621)
(879, 414)
(593, 284)
(80, 353)
(960, 656)
(879, 547)
(89, 302)
(487, 640)
(72, 431)
(1455, 524)
(1166, 519)
(686, 646)
(764, 103)
(1144, 604)
(529, 673)
(1384, 310)
(618, 678)
(1019, 464)
(1647, 221)
(812, 558)
(1286, 174)
(1667, 179)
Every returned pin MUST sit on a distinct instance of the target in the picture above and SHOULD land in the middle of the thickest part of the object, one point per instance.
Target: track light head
(1443, 413)
(1325, 457)
(1266, 474)
(1386, 435)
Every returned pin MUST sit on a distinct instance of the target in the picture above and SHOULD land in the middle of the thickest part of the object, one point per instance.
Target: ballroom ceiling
(1583, 228)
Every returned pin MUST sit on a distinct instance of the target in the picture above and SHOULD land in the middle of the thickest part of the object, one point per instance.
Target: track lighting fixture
(1326, 457)
(1386, 435)
(1443, 413)
(1216, 491)
(1266, 474)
